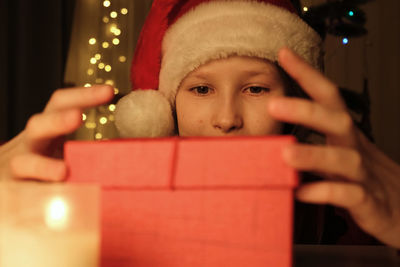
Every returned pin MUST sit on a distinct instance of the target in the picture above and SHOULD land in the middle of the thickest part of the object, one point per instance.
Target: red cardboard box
(190, 201)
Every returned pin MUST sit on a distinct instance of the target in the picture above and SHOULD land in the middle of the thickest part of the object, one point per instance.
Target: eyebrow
(250, 73)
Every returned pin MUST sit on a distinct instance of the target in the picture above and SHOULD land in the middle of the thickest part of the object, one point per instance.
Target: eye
(257, 90)
(201, 90)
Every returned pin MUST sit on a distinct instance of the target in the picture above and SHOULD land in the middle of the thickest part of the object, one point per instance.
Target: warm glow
(124, 11)
(84, 117)
(93, 60)
(111, 107)
(107, 68)
(113, 14)
(101, 66)
(103, 120)
(106, 19)
(90, 125)
(305, 9)
(113, 28)
(92, 41)
(90, 72)
(56, 215)
(122, 59)
(115, 41)
(87, 85)
(110, 82)
(97, 56)
(105, 44)
(116, 91)
(117, 32)
(106, 3)
(98, 136)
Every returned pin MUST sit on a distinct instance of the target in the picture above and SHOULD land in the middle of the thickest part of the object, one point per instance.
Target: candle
(23, 246)
(49, 225)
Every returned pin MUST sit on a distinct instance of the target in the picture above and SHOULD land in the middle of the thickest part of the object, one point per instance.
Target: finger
(311, 80)
(34, 166)
(345, 195)
(81, 98)
(344, 162)
(312, 115)
(50, 125)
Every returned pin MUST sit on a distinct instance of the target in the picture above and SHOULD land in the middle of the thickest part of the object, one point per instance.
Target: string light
(351, 13)
(111, 107)
(90, 72)
(87, 85)
(345, 41)
(113, 28)
(105, 44)
(305, 9)
(110, 82)
(103, 120)
(92, 41)
(90, 125)
(98, 136)
(99, 61)
(117, 32)
(115, 41)
(113, 14)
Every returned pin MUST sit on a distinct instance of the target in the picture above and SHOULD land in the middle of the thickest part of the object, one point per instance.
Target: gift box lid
(182, 163)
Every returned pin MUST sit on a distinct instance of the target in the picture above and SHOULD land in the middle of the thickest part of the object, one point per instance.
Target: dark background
(33, 51)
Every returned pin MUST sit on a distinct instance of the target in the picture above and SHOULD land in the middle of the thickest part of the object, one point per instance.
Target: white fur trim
(144, 113)
(219, 29)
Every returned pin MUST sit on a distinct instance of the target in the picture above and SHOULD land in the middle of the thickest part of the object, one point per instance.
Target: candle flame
(57, 214)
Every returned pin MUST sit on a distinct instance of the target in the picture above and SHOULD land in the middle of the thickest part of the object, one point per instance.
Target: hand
(36, 153)
(358, 176)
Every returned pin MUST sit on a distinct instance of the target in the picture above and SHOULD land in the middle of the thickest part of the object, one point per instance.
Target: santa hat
(181, 35)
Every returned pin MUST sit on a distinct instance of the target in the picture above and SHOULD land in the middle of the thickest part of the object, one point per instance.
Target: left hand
(358, 176)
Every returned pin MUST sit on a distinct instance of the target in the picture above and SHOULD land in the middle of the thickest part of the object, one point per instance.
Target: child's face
(229, 97)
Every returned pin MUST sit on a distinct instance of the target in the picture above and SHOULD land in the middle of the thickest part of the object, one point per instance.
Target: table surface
(345, 256)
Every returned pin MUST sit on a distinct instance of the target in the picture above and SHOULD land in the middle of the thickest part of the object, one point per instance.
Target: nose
(227, 117)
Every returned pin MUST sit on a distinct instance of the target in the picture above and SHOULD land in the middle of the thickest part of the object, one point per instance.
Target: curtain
(33, 49)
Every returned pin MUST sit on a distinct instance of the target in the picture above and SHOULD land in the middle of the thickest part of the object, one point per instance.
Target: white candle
(23, 246)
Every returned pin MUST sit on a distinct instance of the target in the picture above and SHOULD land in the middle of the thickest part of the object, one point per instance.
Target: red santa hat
(181, 35)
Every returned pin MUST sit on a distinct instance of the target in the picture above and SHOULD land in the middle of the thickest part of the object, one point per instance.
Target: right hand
(36, 153)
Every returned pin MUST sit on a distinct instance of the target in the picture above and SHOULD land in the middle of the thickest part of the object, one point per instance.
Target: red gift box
(190, 201)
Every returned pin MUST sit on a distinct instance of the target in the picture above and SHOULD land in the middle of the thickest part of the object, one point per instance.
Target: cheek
(190, 118)
(259, 122)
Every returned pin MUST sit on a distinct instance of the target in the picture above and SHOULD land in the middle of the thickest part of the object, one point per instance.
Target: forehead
(242, 65)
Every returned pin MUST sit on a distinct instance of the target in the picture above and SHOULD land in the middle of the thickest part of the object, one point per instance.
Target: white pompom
(144, 113)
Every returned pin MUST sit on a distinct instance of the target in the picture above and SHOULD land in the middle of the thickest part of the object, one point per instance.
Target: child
(214, 64)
